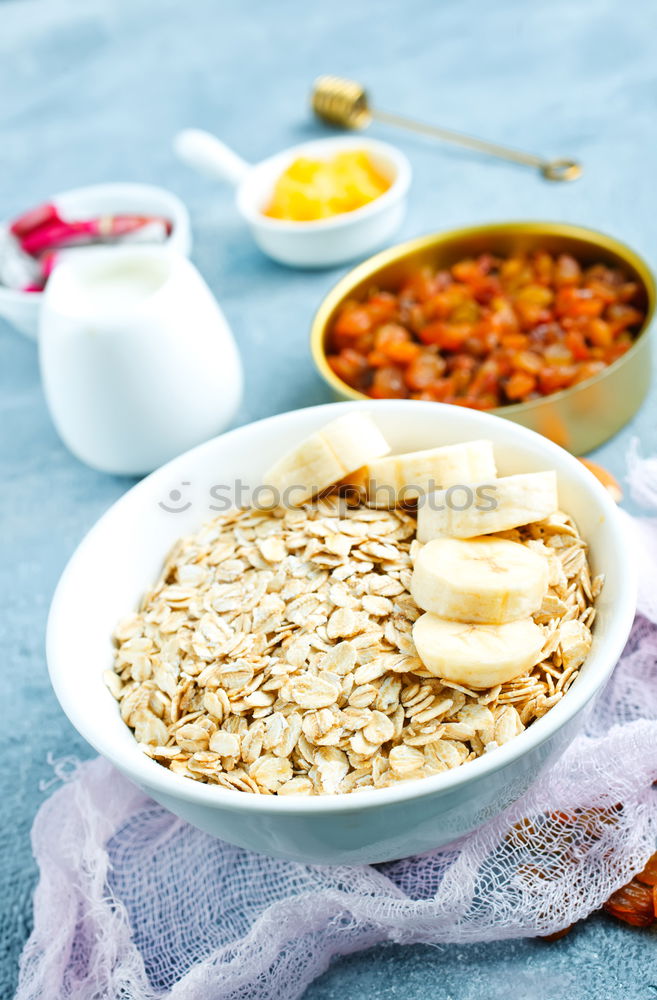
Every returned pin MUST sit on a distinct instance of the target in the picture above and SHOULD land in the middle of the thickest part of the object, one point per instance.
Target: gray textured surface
(94, 92)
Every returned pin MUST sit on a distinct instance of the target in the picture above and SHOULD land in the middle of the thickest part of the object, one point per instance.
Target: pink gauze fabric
(132, 902)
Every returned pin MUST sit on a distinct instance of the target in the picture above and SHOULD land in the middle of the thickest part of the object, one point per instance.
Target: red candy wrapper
(56, 233)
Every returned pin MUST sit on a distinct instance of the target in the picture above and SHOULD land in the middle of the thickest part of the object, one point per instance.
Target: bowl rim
(179, 221)
(373, 264)
(397, 190)
(152, 776)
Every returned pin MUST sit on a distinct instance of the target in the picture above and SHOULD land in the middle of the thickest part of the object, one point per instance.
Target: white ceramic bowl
(121, 556)
(22, 309)
(326, 242)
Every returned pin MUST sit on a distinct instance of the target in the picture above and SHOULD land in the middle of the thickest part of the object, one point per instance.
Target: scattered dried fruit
(636, 902)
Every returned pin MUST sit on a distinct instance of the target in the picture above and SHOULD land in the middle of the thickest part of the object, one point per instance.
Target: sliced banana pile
(352, 451)
(478, 592)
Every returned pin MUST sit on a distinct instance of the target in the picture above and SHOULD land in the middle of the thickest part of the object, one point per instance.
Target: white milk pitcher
(137, 360)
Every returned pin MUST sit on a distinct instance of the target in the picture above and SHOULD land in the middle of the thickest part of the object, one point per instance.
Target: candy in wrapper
(105, 229)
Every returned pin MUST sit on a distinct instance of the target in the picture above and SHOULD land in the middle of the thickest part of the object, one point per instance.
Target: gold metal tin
(579, 418)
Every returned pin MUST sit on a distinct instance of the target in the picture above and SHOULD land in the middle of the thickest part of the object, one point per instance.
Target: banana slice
(403, 478)
(478, 656)
(489, 580)
(482, 508)
(325, 458)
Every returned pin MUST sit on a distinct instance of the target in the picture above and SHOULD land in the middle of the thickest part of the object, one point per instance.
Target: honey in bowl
(309, 190)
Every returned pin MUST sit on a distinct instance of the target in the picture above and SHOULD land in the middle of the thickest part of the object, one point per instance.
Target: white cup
(137, 359)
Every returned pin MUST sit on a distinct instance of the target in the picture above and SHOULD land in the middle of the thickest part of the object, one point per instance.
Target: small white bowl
(326, 242)
(122, 555)
(22, 309)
